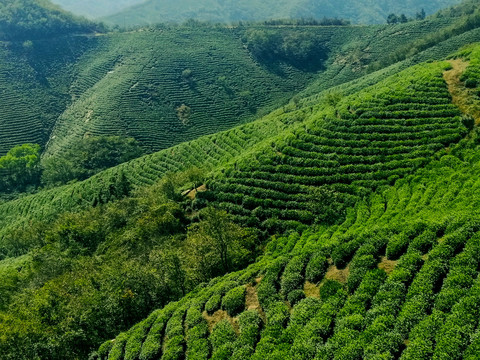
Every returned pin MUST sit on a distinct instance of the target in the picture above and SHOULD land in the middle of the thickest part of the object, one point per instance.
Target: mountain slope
(397, 279)
(362, 11)
(203, 152)
(169, 85)
(415, 82)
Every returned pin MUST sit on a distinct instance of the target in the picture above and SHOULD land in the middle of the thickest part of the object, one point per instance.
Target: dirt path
(464, 98)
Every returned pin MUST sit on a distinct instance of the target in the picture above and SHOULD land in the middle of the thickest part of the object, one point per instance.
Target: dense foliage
(300, 49)
(32, 19)
(20, 168)
(58, 90)
(90, 274)
(370, 189)
(88, 157)
(419, 301)
(368, 140)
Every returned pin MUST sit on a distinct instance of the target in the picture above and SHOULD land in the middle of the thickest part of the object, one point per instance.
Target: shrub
(234, 301)
(135, 340)
(471, 83)
(329, 289)
(222, 334)
(243, 353)
(424, 242)
(359, 268)
(193, 318)
(292, 277)
(316, 268)
(213, 304)
(116, 353)
(198, 349)
(468, 121)
(397, 246)
(174, 348)
(250, 323)
(277, 316)
(152, 344)
(104, 349)
(304, 311)
(295, 296)
(342, 255)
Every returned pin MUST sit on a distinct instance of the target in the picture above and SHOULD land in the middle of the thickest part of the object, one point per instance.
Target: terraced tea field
(398, 278)
(369, 140)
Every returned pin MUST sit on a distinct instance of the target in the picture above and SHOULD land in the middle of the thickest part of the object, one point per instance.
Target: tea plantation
(307, 192)
(395, 278)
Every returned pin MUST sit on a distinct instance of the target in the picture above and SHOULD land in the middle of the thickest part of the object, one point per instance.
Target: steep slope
(203, 153)
(56, 314)
(369, 140)
(137, 88)
(397, 279)
(361, 11)
(143, 80)
(38, 48)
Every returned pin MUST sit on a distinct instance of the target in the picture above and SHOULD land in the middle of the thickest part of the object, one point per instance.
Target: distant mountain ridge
(360, 11)
(96, 8)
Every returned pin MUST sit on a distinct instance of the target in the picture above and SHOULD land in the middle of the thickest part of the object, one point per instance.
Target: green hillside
(397, 278)
(310, 191)
(142, 81)
(370, 139)
(70, 248)
(362, 12)
(207, 82)
(28, 19)
(202, 153)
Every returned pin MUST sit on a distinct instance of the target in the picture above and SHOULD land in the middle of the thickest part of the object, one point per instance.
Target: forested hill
(95, 8)
(361, 11)
(32, 19)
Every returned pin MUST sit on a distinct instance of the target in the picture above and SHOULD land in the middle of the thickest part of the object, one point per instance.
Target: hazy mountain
(96, 8)
(360, 11)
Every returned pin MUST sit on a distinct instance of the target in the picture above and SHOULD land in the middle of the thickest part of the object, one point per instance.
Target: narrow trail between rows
(464, 98)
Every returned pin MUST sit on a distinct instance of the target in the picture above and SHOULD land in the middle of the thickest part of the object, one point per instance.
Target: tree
(403, 19)
(19, 167)
(392, 19)
(217, 245)
(421, 15)
(183, 113)
(88, 157)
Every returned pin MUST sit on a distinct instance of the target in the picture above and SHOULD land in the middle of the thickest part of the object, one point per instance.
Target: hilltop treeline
(301, 49)
(21, 168)
(33, 19)
(307, 22)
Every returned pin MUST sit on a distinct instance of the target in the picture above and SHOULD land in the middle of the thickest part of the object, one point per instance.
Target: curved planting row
(205, 153)
(398, 279)
(369, 140)
(171, 85)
